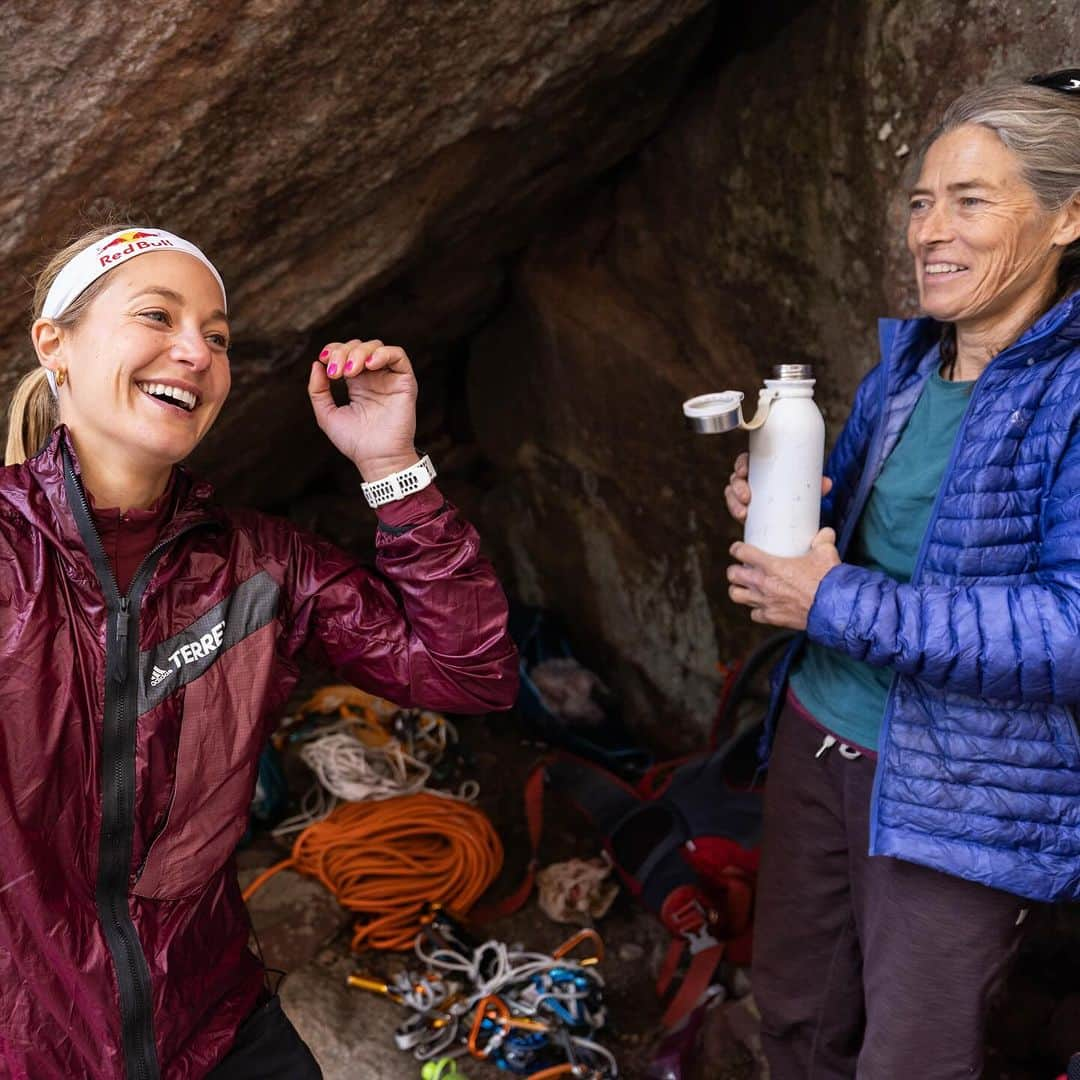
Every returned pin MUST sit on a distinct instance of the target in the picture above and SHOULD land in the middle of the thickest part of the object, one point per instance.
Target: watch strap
(400, 484)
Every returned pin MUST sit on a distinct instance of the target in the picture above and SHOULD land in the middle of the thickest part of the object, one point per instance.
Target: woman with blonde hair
(148, 640)
(924, 778)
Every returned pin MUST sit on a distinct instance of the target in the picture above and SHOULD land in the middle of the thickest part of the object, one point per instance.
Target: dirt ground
(302, 931)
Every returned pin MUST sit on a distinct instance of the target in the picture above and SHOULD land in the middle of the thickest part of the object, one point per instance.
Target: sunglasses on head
(1067, 81)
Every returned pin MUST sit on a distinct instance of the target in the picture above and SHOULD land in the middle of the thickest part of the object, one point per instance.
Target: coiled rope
(386, 860)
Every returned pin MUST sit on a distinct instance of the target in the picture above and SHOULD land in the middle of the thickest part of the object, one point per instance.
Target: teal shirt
(848, 696)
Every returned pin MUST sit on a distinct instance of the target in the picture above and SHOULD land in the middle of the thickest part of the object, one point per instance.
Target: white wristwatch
(397, 485)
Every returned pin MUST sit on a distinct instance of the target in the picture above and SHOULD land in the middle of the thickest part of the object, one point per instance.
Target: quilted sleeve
(1010, 642)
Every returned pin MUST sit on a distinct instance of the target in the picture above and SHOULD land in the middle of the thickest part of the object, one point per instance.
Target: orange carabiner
(495, 1009)
(500, 1014)
(588, 934)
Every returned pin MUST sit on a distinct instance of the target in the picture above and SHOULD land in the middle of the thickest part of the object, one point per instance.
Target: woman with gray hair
(924, 777)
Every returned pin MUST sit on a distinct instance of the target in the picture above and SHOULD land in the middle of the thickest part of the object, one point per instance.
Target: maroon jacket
(130, 731)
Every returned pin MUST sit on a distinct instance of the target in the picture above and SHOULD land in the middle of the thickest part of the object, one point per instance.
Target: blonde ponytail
(32, 415)
(33, 411)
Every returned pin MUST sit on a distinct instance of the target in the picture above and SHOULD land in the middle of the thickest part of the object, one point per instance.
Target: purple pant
(865, 967)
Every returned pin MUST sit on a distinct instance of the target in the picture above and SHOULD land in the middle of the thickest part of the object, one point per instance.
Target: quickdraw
(528, 1013)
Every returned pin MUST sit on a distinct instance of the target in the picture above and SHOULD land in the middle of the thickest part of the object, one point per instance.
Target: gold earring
(61, 377)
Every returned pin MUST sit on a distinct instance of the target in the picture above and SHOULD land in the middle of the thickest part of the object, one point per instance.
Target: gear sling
(684, 840)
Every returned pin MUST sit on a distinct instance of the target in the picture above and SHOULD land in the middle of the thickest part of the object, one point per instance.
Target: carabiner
(588, 934)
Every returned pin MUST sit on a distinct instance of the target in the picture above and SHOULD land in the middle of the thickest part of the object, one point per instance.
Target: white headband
(97, 259)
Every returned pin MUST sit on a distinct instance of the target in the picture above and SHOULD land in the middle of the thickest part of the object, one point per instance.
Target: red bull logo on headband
(132, 242)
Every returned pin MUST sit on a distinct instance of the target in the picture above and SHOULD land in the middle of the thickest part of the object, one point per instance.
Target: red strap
(694, 985)
(739, 901)
(731, 677)
(534, 816)
(654, 780)
(670, 965)
(686, 915)
(534, 805)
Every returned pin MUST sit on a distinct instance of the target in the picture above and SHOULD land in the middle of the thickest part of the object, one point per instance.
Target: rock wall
(762, 224)
(574, 213)
(361, 168)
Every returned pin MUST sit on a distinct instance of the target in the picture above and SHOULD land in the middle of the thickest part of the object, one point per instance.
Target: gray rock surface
(762, 224)
(697, 197)
(352, 168)
(350, 1033)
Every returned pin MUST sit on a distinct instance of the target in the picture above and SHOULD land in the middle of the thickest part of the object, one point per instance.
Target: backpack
(539, 638)
(684, 839)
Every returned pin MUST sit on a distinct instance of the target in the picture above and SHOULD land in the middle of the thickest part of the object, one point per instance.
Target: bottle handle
(765, 400)
(712, 414)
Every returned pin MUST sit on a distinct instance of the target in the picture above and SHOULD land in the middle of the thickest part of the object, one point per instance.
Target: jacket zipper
(118, 787)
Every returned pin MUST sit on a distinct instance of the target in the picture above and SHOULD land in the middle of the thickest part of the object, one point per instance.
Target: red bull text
(132, 245)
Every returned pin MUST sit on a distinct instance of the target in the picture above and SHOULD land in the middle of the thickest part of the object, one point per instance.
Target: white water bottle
(787, 453)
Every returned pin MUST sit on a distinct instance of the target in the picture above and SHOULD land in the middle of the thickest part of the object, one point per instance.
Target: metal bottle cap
(712, 414)
(793, 371)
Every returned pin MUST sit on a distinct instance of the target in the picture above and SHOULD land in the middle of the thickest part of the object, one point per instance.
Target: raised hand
(376, 427)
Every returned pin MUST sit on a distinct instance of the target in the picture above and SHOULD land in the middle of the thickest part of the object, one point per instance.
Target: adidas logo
(159, 675)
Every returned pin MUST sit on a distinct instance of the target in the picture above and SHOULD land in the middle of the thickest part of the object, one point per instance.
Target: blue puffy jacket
(979, 759)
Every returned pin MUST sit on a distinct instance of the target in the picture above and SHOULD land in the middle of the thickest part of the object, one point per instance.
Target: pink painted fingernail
(332, 369)
(324, 354)
(348, 367)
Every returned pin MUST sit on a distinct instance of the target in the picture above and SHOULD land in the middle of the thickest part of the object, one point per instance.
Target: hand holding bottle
(780, 590)
(737, 492)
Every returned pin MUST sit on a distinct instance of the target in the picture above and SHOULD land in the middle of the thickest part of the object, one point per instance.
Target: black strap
(401, 530)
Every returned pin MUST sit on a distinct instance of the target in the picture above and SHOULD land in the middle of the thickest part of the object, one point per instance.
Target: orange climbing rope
(386, 860)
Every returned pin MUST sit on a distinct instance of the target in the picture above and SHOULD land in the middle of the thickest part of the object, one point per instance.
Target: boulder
(353, 169)
(762, 224)
(573, 213)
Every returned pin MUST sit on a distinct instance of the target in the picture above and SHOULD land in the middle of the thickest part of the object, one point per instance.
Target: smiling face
(147, 364)
(983, 246)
